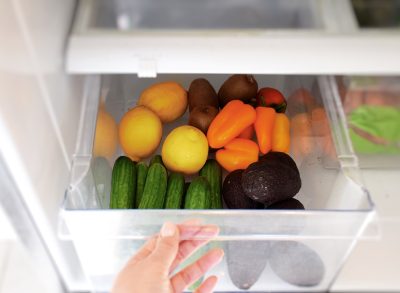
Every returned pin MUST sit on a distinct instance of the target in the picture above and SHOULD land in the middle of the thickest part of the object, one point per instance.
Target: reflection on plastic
(296, 263)
(102, 172)
(246, 261)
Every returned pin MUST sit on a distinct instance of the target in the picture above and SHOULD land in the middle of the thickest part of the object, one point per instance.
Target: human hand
(149, 271)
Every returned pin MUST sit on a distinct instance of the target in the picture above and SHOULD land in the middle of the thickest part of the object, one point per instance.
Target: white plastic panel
(307, 37)
(7, 231)
(16, 264)
(374, 265)
(36, 102)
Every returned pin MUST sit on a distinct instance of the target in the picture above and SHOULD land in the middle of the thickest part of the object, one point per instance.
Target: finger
(208, 285)
(188, 247)
(207, 231)
(145, 250)
(191, 222)
(190, 274)
(149, 246)
(167, 246)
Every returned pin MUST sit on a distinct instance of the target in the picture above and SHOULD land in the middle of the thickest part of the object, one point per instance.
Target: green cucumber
(198, 195)
(187, 184)
(213, 172)
(156, 159)
(175, 191)
(123, 184)
(142, 170)
(155, 188)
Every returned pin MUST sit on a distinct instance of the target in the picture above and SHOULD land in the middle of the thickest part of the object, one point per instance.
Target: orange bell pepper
(229, 123)
(247, 133)
(264, 126)
(237, 154)
(281, 134)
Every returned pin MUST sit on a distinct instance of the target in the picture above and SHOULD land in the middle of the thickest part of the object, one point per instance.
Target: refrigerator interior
(337, 206)
(95, 46)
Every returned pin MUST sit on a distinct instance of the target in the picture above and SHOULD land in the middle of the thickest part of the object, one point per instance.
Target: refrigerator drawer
(266, 250)
(227, 36)
(372, 108)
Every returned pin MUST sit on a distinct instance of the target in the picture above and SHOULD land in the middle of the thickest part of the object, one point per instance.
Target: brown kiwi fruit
(202, 116)
(202, 93)
(238, 87)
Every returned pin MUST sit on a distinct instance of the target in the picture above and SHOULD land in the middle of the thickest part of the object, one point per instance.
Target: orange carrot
(302, 134)
(281, 134)
(247, 133)
(229, 123)
(237, 154)
(301, 124)
(319, 122)
(264, 125)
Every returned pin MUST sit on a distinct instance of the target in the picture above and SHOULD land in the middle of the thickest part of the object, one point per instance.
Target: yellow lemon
(185, 150)
(167, 99)
(106, 136)
(140, 132)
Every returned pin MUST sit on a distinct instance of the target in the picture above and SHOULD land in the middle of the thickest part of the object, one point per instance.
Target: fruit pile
(234, 126)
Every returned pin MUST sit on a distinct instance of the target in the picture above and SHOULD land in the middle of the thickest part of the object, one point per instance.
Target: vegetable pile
(241, 129)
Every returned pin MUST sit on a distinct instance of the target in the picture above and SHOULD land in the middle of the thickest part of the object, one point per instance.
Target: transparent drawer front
(291, 250)
(251, 265)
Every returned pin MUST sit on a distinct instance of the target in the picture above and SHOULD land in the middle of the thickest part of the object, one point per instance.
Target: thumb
(167, 246)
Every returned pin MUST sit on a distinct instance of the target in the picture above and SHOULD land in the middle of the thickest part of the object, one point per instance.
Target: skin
(150, 270)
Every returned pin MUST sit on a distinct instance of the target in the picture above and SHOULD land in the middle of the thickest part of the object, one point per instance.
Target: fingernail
(168, 229)
(210, 230)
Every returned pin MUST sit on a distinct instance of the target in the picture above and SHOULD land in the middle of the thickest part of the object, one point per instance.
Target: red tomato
(272, 98)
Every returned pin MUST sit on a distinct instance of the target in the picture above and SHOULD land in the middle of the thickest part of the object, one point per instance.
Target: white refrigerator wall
(39, 114)
(22, 253)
